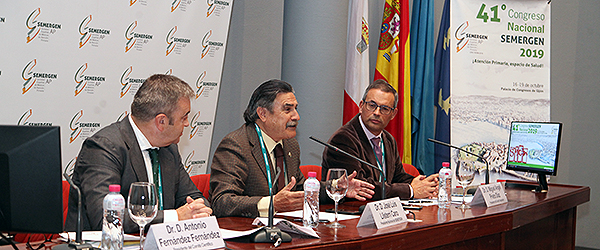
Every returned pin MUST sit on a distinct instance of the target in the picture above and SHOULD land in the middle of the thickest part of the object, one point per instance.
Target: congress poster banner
(500, 71)
(78, 64)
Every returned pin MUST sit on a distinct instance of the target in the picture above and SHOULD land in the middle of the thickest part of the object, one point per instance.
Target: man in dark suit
(239, 182)
(364, 135)
(118, 154)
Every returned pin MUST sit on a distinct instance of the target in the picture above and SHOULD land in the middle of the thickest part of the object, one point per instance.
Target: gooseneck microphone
(487, 166)
(78, 243)
(356, 158)
(271, 234)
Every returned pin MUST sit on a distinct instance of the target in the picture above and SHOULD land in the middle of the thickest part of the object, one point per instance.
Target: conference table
(528, 221)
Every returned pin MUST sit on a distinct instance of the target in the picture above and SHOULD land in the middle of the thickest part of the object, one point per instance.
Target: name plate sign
(383, 213)
(492, 194)
(195, 234)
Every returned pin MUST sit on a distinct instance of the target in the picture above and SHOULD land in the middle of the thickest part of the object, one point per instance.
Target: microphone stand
(271, 234)
(78, 243)
(356, 158)
(487, 166)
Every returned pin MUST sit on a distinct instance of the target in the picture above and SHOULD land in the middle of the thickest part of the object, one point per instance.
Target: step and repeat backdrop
(78, 64)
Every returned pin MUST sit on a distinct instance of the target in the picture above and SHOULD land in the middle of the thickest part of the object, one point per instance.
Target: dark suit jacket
(352, 139)
(113, 156)
(238, 177)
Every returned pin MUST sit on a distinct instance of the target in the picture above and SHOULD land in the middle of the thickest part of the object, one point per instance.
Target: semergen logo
(127, 82)
(30, 77)
(197, 127)
(207, 44)
(24, 120)
(212, 5)
(189, 163)
(464, 37)
(79, 128)
(87, 32)
(36, 26)
(82, 80)
(202, 85)
(173, 42)
(132, 37)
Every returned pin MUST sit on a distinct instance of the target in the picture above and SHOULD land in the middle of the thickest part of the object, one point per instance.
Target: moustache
(291, 124)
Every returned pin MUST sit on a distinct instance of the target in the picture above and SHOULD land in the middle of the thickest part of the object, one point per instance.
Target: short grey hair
(159, 94)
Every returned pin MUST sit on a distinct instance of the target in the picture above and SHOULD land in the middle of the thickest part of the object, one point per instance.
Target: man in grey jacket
(119, 154)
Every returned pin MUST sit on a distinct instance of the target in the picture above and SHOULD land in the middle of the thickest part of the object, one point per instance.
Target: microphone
(271, 234)
(78, 244)
(487, 166)
(358, 159)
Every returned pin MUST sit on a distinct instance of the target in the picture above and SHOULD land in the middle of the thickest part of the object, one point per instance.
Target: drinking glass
(336, 186)
(465, 172)
(142, 205)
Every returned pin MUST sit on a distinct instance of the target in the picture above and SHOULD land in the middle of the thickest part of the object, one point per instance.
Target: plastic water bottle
(112, 222)
(310, 213)
(445, 188)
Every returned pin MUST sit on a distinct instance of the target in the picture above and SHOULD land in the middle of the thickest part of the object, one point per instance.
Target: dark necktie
(279, 162)
(156, 174)
(376, 148)
(378, 153)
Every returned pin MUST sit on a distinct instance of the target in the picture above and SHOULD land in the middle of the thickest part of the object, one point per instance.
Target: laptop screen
(533, 147)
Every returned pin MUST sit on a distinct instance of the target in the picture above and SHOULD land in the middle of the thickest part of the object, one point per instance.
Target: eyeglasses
(372, 106)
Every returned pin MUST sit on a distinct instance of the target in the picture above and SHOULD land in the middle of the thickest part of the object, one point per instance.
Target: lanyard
(379, 164)
(265, 155)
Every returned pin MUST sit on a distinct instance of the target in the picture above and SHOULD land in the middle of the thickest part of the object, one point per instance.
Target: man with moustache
(243, 161)
(364, 137)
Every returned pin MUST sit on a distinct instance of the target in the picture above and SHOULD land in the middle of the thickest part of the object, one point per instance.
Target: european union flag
(442, 88)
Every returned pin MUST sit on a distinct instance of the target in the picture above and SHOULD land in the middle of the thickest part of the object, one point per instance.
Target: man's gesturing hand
(358, 189)
(286, 200)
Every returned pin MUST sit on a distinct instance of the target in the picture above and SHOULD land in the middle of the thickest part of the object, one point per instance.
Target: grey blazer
(113, 156)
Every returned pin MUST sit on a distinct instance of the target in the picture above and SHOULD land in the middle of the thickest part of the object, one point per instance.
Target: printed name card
(383, 213)
(203, 233)
(493, 194)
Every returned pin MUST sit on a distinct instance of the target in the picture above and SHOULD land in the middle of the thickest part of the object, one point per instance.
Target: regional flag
(422, 42)
(393, 65)
(442, 88)
(357, 57)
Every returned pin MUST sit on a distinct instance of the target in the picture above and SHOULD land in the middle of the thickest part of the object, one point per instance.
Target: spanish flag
(393, 65)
